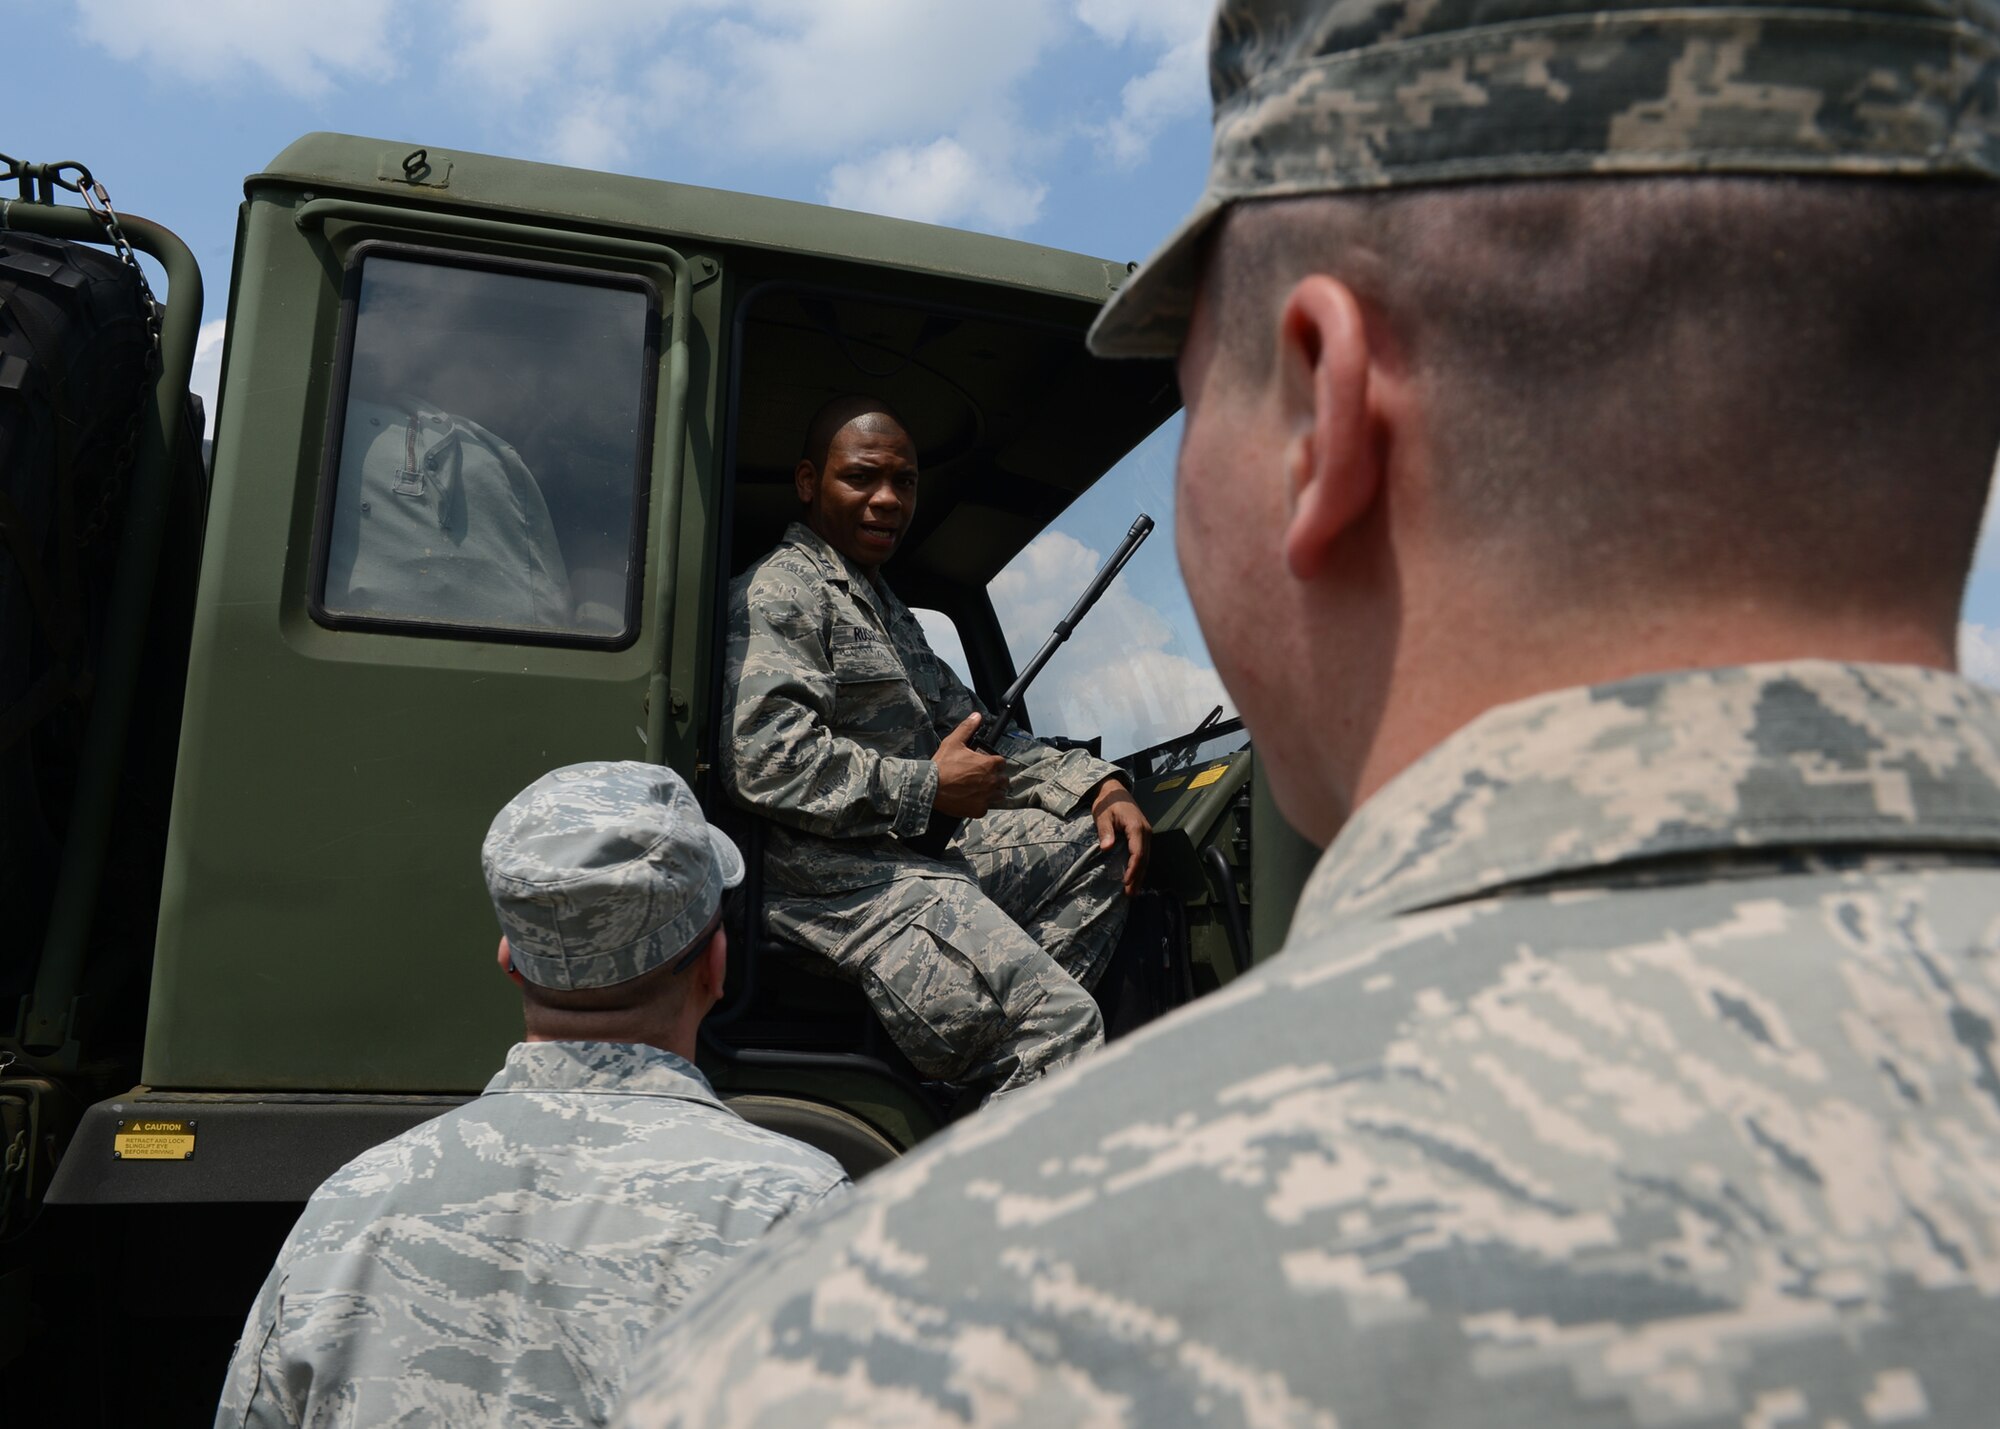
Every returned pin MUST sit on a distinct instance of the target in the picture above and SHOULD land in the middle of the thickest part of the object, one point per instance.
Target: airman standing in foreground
(499, 1264)
(1590, 410)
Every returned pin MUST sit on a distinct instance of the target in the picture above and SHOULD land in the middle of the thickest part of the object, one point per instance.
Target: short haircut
(1788, 387)
(837, 413)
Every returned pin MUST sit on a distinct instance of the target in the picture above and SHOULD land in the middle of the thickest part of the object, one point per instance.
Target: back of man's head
(1767, 345)
(608, 884)
(1660, 336)
(1760, 387)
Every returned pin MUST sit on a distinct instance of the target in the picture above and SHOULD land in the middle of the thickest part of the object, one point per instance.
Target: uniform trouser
(982, 983)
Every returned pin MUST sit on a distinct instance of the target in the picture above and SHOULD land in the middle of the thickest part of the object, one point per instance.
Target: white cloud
(916, 100)
(1987, 558)
(205, 380)
(586, 82)
(520, 45)
(1177, 84)
(828, 76)
(1040, 585)
(1135, 699)
(1979, 653)
(801, 78)
(943, 636)
(1165, 22)
(675, 88)
(1173, 88)
(940, 182)
(299, 48)
(918, 109)
(1118, 676)
(593, 133)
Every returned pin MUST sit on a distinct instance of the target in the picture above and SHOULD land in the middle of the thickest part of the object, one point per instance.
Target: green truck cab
(492, 439)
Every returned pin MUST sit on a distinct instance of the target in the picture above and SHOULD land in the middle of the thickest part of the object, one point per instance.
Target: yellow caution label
(145, 1140)
(1173, 783)
(1207, 776)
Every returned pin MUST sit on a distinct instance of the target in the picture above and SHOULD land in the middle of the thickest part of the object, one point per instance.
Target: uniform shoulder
(1322, 1013)
(788, 1157)
(787, 560)
(383, 1168)
(784, 571)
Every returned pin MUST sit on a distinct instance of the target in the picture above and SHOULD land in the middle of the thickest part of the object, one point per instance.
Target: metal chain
(99, 203)
(83, 183)
(78, 180)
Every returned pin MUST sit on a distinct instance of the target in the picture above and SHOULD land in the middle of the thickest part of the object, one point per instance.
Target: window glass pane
(490, 450)
(1135, 671)
(945, 644)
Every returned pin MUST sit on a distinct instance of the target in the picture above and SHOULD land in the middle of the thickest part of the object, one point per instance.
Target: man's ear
(505, 958)
(805, 478)
(715, 966)
(1332, 472)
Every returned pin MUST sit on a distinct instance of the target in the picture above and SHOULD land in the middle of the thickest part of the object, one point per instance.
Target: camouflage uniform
(1632, 1063)
(977, 963)
(1632, 1059)
(499, 1264)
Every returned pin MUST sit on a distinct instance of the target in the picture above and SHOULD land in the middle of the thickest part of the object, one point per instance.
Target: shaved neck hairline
(1259, 253)
(1265, 249)
(664, 985)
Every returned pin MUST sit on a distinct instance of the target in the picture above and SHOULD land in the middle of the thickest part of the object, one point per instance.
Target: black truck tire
(74, 372)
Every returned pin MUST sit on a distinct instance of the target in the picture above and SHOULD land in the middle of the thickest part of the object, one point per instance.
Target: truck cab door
(447, 541)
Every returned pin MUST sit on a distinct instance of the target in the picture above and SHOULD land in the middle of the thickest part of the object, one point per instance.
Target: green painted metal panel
(477, 182)
(324, 924)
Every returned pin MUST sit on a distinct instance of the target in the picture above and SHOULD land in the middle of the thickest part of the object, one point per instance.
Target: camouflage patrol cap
(601, 872)
(1344, 96)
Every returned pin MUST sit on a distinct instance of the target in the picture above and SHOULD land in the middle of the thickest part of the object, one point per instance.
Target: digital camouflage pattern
(1053, 879)
(499, 1264)
(1312, 97)
(1631, 1063)
(601, 872)
(958, 971)
(837, 703)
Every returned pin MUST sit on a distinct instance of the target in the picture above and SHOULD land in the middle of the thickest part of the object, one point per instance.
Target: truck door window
(1135, 672)
(945, 641)
(487, 450)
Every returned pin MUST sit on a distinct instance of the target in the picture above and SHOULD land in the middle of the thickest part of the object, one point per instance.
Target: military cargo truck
(492, 437)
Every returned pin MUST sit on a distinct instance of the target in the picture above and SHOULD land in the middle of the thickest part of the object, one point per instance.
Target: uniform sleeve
(1038, 776)
(782, 757)
(810, 1201)
(254, 1393)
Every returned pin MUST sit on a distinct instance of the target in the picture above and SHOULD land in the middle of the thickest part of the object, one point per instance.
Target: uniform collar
(1798, 754)
(837, 568)
(624, 1068)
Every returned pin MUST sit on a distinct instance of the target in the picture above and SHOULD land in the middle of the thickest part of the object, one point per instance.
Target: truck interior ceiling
(1012, 419)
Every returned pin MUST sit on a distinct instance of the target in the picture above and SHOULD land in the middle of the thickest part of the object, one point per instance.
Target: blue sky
(1077, 123)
